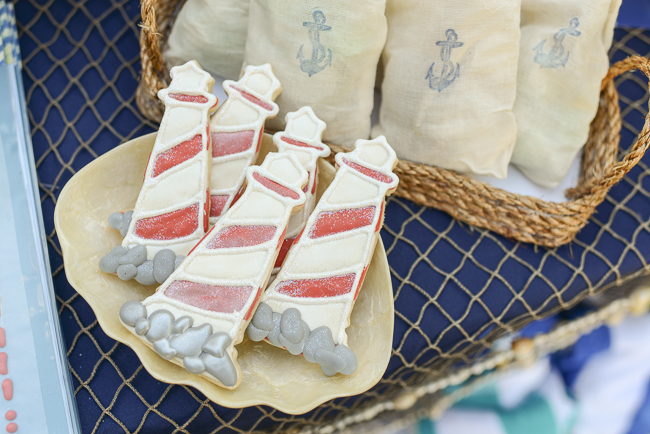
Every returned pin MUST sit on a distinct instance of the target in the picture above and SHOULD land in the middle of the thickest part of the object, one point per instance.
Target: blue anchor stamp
(320, 57)
(556, 57)
(450, 72)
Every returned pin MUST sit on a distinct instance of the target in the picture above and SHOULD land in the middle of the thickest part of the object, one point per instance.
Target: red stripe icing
(363, 276)
(189, 98)
(274, 186)
(259, 140)
(380, 220)
(251, 309)
(299, 235)
(217, 203)
(3, 363)
(238, 195)
(300, 144)
(286, 245)
(176, 224)
(176, 155)
(206, 211)
(241, 236)
(3, 340)
(318, 288)
(231, 143)
(208, 138)
(313, 188)
(381, 177)
(8, 389)
(334, 222)
(10, 415)
(281, 239)
(224, 299)
(12, 428)
(255, 100)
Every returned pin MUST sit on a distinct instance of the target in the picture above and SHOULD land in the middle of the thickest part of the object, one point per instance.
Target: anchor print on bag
(450, 72)
(556, 57)
(321, 58)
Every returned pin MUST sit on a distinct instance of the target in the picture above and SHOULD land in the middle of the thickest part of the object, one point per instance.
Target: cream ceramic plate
(271, 376)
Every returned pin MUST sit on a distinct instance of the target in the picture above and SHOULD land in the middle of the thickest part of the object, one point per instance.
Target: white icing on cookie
(302, 138)
(221, 280)
(325, 267)
(236, 130)
(171, 210)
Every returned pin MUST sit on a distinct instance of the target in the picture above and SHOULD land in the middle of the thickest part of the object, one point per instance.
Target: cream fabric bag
(213, 32)
(450, 76)
(563, 60)
(325, 54)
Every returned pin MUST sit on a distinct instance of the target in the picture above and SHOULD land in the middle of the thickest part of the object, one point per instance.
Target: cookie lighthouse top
(171, 210)
(307, 307)
(236, 131)
(302, 138)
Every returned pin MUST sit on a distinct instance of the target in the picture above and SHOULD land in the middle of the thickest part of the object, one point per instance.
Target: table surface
(456, 287)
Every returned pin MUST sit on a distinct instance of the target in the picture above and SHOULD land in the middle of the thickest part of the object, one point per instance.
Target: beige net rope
(92, 48)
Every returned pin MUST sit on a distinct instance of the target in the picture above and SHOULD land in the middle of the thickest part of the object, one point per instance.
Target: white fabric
(325, 54)
(513, 388)
(562, 62)
(612, 384)
(450, 76)
(517, 182)
(457, 421)
(553, 390)
(212, 32)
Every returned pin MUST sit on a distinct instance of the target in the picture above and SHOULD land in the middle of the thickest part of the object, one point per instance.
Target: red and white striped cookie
(302, 138)
(201, 311)
(172, 209)
(236, 130)
(306, 309)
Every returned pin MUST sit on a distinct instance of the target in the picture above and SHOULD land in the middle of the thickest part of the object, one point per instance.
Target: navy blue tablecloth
(456, 287)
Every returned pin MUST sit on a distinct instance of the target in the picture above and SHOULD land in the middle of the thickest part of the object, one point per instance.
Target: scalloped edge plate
(271, 376)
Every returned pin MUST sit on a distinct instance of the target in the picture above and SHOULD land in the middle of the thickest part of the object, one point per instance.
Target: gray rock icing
(163, 264)
(108, 263)
(127, 272)
(133, 264)
(136, 255)
(189, 342)
(131, 312)
(288, 330)
(120, 221)
(199, 348)
(142, 326)
(145, 274)
(217, 344)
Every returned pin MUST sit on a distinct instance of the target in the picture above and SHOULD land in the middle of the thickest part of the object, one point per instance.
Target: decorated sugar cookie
(307, 308)
(171, 213)
(201, 311)
(236, 130)
(302, 138)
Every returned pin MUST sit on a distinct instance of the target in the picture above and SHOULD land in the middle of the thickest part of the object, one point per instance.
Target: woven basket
(522, 218)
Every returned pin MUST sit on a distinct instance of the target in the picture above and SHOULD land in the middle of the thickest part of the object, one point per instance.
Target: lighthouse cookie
(302, 138)
(306, 309)
(171, 212)
(201, 311)
(236, 130)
